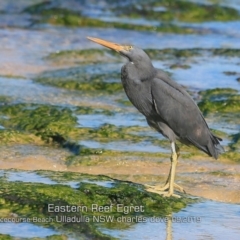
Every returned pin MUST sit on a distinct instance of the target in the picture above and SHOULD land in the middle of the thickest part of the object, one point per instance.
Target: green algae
(61, 16)
(226, 103)
(25, 123)
(222, 106)
(4, 100)
(53, 237)
(218, 93)
(235, 144)
(6, 237)
(83, 110)
(9, 136)
(220, 173)
(85, 56)
(183, 66)
(41, 124)
(47, 122)
(13, 76)
(62, 177)
(224, 100)
(184, 11)
(227, 52)
(231, 155)
(95, 85)
(31, 200)
(90, 83)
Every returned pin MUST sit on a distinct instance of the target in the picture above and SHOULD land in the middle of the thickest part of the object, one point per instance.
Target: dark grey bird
(168, 108)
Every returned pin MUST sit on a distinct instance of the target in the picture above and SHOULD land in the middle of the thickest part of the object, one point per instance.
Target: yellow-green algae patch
(29, 200)
(53, 124)
(66, 17)
(179, 10)
(90, 83)
(86, 56)
(17, 137)
(52, 237)
(43, 124)
(222, 100)
(226, 103)
(47, 122)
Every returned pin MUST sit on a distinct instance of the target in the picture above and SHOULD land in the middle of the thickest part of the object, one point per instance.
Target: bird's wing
(165, 78)
(177, 109)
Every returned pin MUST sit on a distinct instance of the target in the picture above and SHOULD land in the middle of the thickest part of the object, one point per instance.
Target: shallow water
(23, 53)
(26, 230)
(118, 119)
(33, 177)
(205, 220)
(125, 146)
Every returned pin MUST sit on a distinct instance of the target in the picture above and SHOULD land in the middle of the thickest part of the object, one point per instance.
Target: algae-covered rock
(235, 145)
(180, 10)
(48, 122)
(49, 12)
(224, 100)
(87, 203)
(88, 79)
(85, 56)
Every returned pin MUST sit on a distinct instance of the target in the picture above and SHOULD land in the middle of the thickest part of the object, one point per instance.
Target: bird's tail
(216, 147)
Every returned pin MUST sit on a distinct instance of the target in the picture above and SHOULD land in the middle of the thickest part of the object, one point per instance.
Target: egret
(167, 106)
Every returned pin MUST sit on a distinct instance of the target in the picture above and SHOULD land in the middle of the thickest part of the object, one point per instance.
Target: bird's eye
(128, 47)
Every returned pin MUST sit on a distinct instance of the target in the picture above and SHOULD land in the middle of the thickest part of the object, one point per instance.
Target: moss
(184, 11)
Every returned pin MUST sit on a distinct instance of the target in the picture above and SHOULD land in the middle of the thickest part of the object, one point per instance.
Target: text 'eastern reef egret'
(168, 108)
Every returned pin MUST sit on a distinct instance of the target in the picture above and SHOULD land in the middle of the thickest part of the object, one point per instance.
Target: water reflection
(204, 220)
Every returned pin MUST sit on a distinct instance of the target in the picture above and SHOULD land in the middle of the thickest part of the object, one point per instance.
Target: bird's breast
(138, 92)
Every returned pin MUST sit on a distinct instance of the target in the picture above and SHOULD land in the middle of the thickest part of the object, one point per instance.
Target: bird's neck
(139, 71)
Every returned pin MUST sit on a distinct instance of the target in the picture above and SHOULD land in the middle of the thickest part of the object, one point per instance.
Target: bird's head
(134, 54)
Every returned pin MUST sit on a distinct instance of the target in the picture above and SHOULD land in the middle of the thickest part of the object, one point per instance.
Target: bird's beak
(111, 45)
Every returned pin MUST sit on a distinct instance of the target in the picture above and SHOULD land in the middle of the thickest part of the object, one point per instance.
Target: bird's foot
(165, 190)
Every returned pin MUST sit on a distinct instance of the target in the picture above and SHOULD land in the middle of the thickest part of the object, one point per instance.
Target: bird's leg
(168, 188)
(174, 158)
